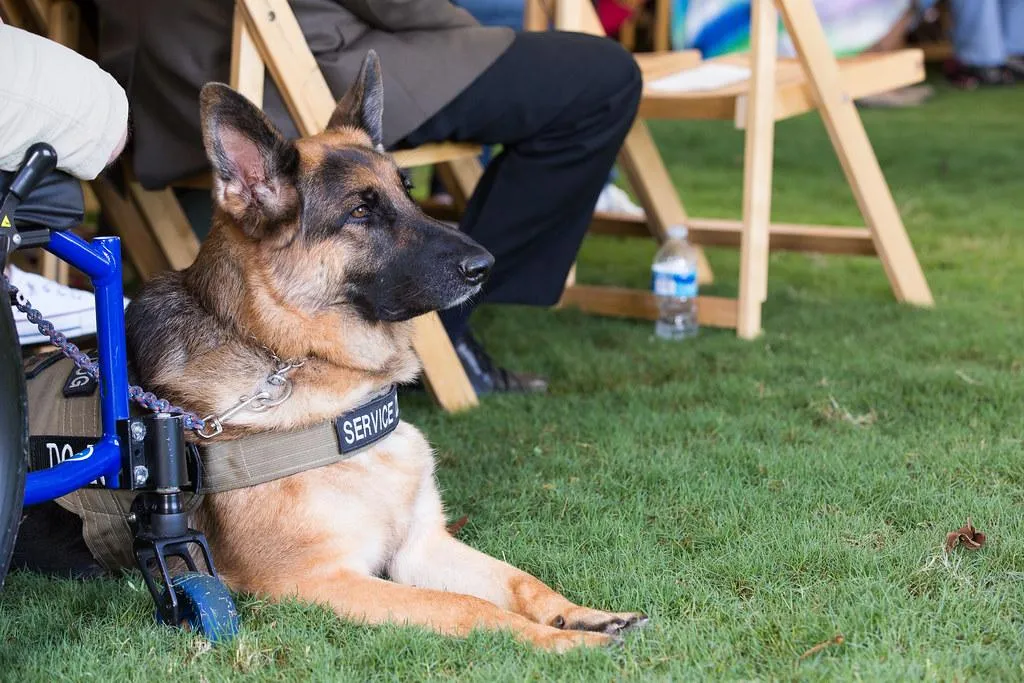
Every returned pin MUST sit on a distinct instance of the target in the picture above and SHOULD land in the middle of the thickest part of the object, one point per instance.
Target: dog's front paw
(611, 623)
(558, 640)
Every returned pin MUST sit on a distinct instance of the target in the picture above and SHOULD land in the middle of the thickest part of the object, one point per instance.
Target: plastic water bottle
(674, 282)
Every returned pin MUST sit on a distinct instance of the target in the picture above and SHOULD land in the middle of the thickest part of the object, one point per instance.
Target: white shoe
(613, 199)
(72, 311)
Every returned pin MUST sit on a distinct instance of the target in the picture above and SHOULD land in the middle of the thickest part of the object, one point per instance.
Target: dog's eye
(361, 211)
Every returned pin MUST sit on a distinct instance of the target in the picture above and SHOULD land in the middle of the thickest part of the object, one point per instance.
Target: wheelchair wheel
(205, 606)
(13, 436)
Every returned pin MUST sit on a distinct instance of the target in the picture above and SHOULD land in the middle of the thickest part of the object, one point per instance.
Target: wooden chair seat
(656, 65)
(861, 76)
(436, 153)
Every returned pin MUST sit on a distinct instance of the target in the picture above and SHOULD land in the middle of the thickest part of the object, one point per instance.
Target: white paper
(703, 77)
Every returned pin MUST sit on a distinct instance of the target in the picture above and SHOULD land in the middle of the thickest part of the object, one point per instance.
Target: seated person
(560, 104)
(988, 42)
(719, 27)
(54, 95)
(510, 13)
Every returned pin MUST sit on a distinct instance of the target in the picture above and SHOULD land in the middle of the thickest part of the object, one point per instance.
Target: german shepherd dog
(318, 253)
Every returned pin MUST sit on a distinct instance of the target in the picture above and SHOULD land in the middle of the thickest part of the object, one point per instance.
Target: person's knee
(620, 79)
(635, 85)
(629, 72)
(616, 66)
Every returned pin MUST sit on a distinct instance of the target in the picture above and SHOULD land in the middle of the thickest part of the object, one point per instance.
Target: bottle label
(681, 285)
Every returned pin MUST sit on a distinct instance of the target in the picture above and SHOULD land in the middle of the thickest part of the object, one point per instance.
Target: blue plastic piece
(205, 604)
(101, 261)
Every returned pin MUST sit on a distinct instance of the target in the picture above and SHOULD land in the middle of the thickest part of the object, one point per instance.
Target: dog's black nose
(476, 268)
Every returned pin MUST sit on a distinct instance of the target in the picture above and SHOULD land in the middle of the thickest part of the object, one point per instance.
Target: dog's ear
(254, 166)
(362, 106)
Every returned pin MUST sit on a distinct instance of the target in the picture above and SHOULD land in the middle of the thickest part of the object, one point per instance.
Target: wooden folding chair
(659, 25)
(267, 37)
(152, 224)
(777, 89)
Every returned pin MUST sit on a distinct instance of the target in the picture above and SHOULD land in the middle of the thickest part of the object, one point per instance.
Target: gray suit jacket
(163, 51)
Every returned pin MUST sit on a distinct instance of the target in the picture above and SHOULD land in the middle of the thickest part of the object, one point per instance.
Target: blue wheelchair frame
(101, 261)
(158, 517)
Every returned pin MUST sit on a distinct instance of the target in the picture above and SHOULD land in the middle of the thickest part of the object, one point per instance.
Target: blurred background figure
(988, 42)
(719, 27)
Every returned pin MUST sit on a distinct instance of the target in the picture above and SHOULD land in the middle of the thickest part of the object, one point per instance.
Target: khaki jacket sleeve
(50, 93)
(409, 15)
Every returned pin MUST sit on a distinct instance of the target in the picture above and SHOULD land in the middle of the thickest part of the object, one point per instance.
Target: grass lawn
(755, 498)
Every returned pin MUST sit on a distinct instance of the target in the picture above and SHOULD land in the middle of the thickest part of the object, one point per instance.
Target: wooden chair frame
(777, 89)
(659, 24)
(267, 38)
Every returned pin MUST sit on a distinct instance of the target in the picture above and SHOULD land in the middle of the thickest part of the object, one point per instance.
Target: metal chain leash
(144, 398)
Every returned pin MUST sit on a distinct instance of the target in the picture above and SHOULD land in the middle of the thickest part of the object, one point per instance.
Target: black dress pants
(560, 105)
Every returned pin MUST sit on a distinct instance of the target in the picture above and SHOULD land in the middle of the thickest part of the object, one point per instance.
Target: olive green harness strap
(58, 409)
(261, 458)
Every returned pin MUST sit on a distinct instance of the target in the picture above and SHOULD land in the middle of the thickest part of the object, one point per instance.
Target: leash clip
(257, 403)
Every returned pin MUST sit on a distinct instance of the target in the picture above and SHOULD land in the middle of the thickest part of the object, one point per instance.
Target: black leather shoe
(968, 77)
(1015, 65)
(487, 378)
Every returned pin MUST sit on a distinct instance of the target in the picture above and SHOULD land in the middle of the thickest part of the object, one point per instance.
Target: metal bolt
(132, 518)
(138, 431)
(16, 238)
(141, 473)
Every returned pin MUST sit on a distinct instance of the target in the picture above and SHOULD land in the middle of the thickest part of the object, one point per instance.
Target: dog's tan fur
(330, 534)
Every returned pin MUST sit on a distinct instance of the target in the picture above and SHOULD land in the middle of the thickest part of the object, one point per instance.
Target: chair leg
(536, 15)
(460, 176)
(122, 213)
(662, 25)
(648, 176)
(757, 171)
(248, 73)
(61, 21)
(445, 377)
(53, 268)
(856, 155)
(627, 34)
(167, 223)
(271, 28)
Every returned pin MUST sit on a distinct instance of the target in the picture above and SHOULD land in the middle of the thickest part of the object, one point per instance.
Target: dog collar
(369, 423)
(259, 458)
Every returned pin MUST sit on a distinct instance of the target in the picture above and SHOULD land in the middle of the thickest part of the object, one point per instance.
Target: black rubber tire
(13, 435)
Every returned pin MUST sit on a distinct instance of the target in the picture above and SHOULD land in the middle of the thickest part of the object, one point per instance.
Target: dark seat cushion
(56, 203)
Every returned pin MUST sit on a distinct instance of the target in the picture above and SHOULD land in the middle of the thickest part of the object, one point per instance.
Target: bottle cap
(678, 232)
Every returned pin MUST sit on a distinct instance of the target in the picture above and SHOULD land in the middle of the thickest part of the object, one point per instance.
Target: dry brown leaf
(971, 538)
(457, 525)
(837, 639)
